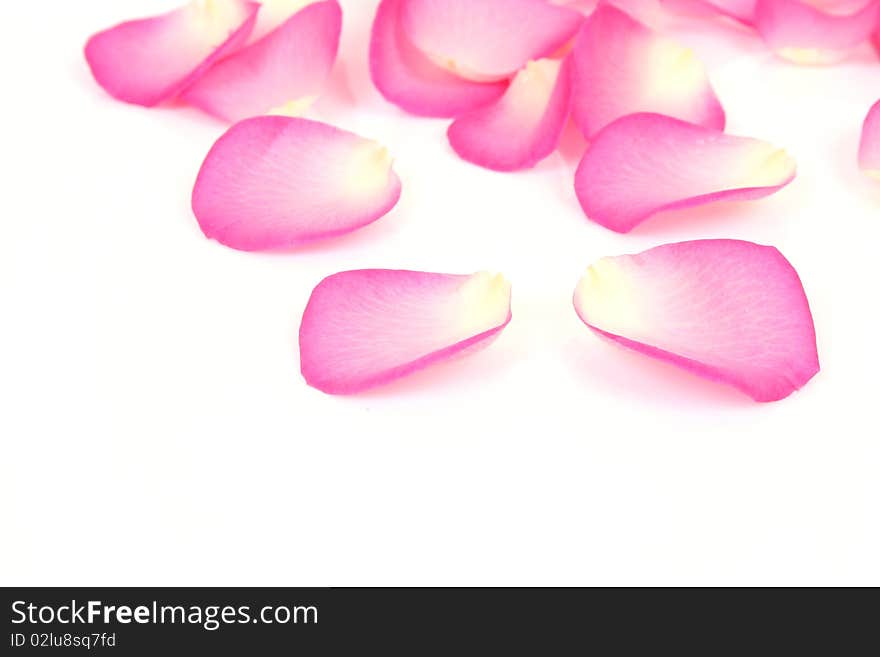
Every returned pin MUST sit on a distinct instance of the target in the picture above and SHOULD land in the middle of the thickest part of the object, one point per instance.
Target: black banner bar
(288, 621)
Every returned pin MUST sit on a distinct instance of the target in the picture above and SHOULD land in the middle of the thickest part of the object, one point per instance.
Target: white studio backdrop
(155, 428)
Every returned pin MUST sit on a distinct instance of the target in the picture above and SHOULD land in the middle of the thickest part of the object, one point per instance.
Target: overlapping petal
(524, 126)
(741, 10)
(150, 60)
(273, 14)
(643, 164)
(365, 328)
(281, 73)
(273, 181)
(490, 39)
(407, 78)
(816, 31)
(869, 145)
(728, 310)
(622, 67)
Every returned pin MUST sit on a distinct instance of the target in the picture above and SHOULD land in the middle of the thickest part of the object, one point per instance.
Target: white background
(156, 430)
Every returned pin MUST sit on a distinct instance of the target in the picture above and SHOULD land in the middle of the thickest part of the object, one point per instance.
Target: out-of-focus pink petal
(741, 10)
(643, 164)
(273, 181)
(730, 311)
(524, 126)
(273, 14)
(815, 32)
(869, 145)
(583, 6)
(489, 39)
(622, 67)
(150, 60)
(411, 81)
(365, 328)
(279, 74)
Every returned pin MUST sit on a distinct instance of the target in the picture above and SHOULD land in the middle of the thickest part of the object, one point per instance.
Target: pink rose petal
(273, 14)
(365, 328)
(281, 73)
(524, 126)
(622, 67)
(407, 78)
(741, 10)
(731, 311)
(150, 60)
(643, 164)
(489, 39)
(273, 181)
(869, 145)
(815, 32)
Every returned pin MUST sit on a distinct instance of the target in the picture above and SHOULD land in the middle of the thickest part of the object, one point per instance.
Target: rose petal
(622, 67)
(150, 60)
(647, 163)
(487, 40)
(730, 311)
(869, 145)
(741, 10)
(275, 181)
(407, 78)
(806, 34)
(524, 126)
(364, 328)
(285, 69)
(273, 14)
